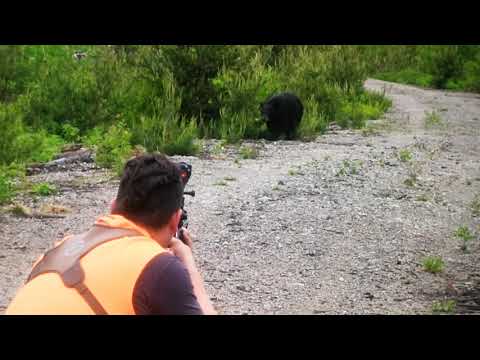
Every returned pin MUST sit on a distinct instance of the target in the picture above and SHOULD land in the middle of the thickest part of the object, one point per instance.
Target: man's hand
(183, 250)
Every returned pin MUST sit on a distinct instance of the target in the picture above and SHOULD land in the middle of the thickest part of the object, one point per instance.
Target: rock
(369, 295)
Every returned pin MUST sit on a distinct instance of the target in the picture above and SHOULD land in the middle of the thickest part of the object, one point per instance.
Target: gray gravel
(290, 232)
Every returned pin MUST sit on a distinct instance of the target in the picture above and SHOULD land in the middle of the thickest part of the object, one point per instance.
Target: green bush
(313, 121)
(454, 67)
(19, 144)
(7, 188)
(114, 148)
(167, 95)
(408, 76)
(165, 130)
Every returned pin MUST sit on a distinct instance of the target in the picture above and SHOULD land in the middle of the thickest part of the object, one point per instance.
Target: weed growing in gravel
(463, 233)
(229, 178)
(44, 189)
(369, 131)
(433, 264)
(444, 307)
(422, 197)
(405, 155)
(292, 172)
(20, 210)
(413, 171)
(220, 183)
(247, 152)
(475, 206)
(276, 188)
(433, 119)
(411, 180)
(219, 148)
(349, 167)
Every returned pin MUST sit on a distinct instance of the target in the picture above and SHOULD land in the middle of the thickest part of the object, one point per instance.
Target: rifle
(185, 174)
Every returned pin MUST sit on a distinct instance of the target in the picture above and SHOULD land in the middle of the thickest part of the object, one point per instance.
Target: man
(129, 262)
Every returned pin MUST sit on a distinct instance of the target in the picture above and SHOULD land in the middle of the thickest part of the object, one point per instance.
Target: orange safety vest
(108, 271)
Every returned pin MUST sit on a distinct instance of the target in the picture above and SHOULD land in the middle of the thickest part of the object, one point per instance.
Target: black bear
(282, 113)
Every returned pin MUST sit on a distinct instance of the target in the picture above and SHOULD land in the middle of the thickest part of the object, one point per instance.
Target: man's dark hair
(150, 190)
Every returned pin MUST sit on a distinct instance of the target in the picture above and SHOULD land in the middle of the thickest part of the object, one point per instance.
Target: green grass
(44, 189)
(248, 152)
(433, 264)
(220, 183)
(349, 167)
(422, 197)
(7, 189)
(463, 233)
(433, 119)
(444, 307)
(408, 76)
(405, 155)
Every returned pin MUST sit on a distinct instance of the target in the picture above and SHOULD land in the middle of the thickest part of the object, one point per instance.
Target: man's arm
(164, 288)
(184, 252)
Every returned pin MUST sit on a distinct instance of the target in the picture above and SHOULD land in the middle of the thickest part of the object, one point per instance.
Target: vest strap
(65, 260)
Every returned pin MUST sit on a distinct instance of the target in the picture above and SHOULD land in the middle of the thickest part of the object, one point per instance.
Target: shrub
(165, 130)
(7, 188)
(19, 144)
(114, 149)
(313, 121)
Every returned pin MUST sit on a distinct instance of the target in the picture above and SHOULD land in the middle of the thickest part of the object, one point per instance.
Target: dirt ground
(324, 227)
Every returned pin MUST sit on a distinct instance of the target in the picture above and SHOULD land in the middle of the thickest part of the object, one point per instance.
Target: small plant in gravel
(412, 177)
(21, 210)
(411, 180)
(444, 307)
(292, 172)
(463, 233)
(433, 264)
(44, 189)
(220, 183)
(229, 178)
(475, 206)
(369, 131)
(433, 119)
(422, 197)
(219, 148)
(349, 167)
(248, 152)
(405, 155)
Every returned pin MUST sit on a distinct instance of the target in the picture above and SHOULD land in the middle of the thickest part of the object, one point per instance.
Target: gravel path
(326, 227)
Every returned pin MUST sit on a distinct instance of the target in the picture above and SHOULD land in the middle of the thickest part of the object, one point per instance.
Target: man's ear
(174, 220)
